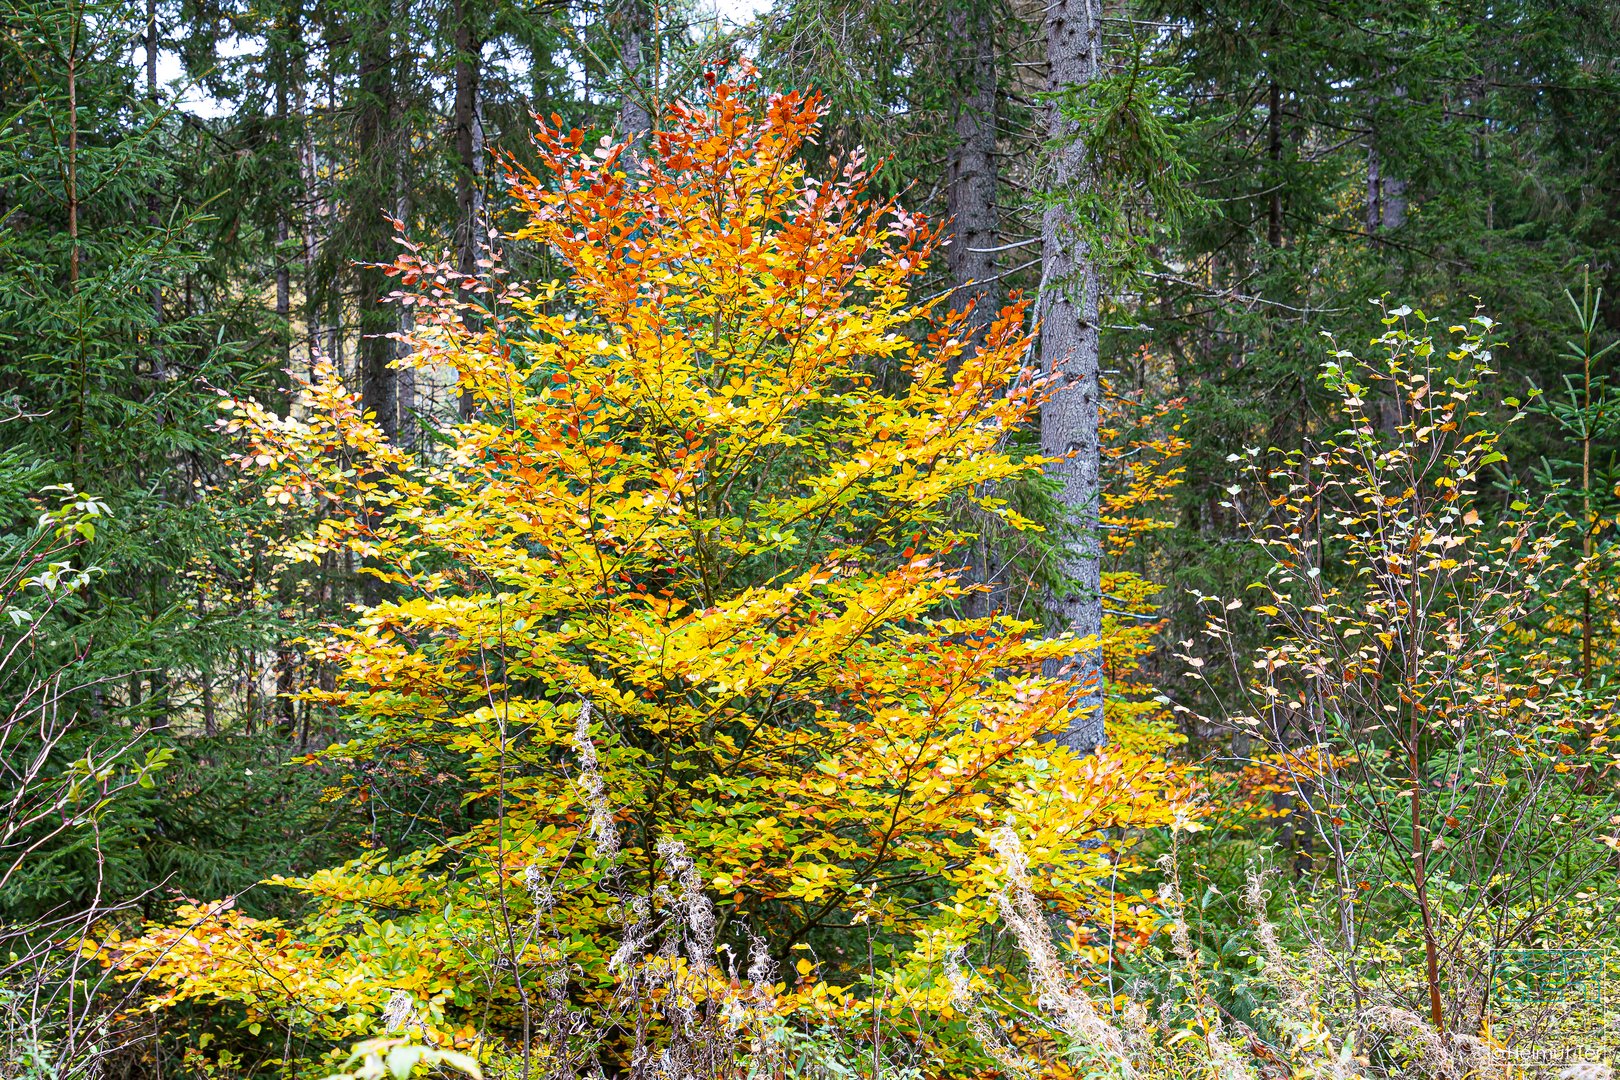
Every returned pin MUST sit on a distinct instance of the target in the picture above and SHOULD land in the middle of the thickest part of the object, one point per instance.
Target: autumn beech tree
(689, 538)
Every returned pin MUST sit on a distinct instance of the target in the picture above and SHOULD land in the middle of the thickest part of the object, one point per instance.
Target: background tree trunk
(1069, 358)
(283, 209)
(1274, 147)
(971, 193)
(972, 177)
(153, 213)
(469, 130)
(1386, 194)
(634, 119)
(377, 142)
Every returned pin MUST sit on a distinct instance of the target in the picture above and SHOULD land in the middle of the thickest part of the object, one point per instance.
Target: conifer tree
(115, 341)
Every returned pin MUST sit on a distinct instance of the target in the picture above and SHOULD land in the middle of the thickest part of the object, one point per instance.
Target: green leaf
(402, 1061)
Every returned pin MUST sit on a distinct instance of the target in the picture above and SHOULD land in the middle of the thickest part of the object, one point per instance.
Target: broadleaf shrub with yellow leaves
(677, 604)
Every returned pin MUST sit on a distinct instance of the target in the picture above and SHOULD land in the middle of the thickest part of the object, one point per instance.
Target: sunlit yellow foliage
(705, 486)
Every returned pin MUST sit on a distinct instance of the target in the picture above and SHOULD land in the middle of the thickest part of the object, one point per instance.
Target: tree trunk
(406, 376)
(154, 218)
(70, 196)
(161, 705)
(469, 129)
(314, 209)
(284, 70)
(1394, 202)
(1069, 419)
(971, 183)
(1386, 194)
(634, 119)
(469, 125)
(1274, 216)
(286, 686)
(971, 190)
(377, 139)
(210, 710)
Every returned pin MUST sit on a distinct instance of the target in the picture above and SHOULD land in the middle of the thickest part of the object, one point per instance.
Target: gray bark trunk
(634, 120)
(975, 225)
(1069, 419)
(1373, 212)
(1386, 194)
(1394, 202)
(971, 192)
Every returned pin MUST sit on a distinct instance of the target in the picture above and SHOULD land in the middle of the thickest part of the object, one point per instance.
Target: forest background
(1235, 695)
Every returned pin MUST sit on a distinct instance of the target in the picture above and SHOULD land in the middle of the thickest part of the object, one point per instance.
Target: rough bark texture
(469, 126)
(1393, 202)
(1069, 296)
(634, 119)
(469, 130)
(1386, 194)
(313, 208)
(971, 190)
(376, 131)
(283, 223)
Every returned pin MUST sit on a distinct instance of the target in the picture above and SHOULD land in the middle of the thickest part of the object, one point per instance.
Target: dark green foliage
(118, 333)
(152, 259)
(1262, 172)
(1443, 155)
